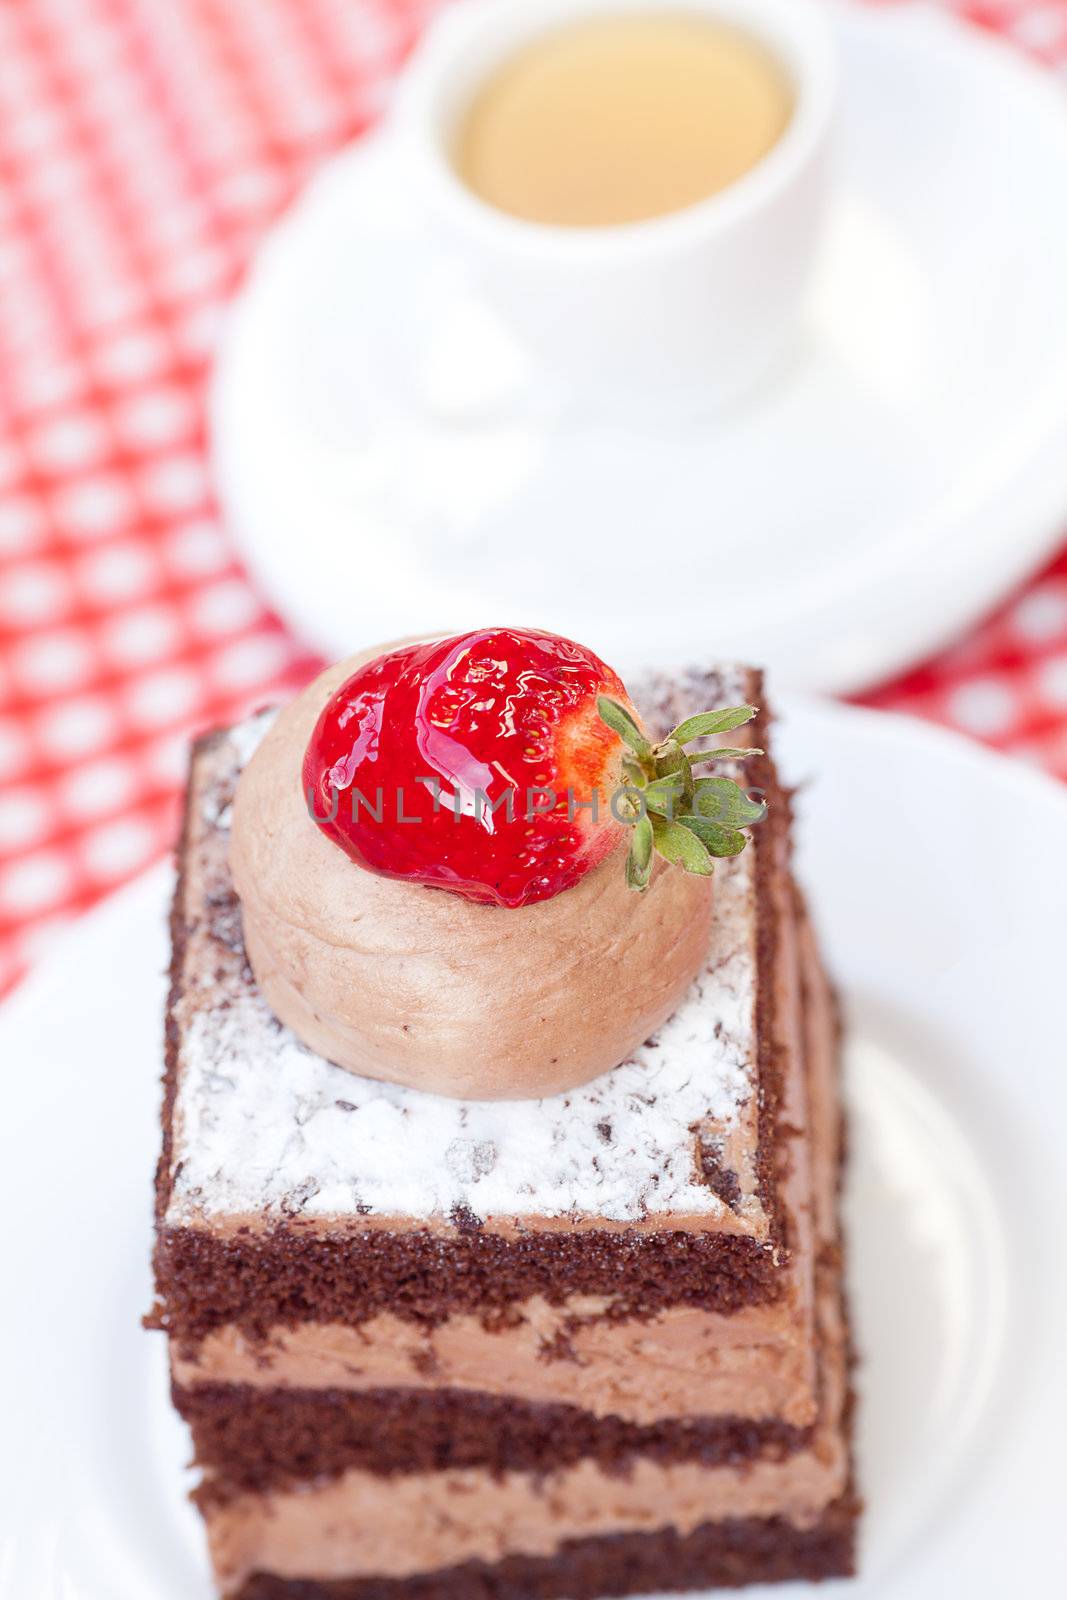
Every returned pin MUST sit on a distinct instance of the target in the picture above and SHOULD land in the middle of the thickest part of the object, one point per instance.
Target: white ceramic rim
(468, 41)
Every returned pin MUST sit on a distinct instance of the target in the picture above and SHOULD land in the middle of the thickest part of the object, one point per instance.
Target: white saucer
(949, 950)
(387, 469)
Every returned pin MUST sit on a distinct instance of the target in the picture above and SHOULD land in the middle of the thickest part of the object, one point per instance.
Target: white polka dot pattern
(143, 151)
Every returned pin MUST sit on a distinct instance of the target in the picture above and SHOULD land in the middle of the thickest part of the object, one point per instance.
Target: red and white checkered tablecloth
(145, 145)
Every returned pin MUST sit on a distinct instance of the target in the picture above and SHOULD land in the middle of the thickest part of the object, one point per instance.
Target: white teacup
(697, 304)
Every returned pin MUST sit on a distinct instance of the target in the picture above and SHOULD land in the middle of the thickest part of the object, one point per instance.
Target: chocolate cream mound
(421, 987)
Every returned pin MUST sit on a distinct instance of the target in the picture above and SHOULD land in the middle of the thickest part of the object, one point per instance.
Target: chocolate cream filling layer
(717, 1555)
(363, 1523)
(680, 1362)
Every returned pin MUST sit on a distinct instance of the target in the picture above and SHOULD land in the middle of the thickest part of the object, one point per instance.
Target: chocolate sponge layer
(254, 1439)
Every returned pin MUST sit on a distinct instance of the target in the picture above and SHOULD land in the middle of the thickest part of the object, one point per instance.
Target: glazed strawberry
(503, 765)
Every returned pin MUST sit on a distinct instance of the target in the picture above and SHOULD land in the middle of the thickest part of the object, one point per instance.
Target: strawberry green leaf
(620, 721)
(717, 840)
(639, 856)
(723, 800)
(705, 723)
(681, 846)
(722, 753)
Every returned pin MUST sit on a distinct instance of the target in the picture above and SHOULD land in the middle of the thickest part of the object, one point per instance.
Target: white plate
(937, 874)
(386, 470)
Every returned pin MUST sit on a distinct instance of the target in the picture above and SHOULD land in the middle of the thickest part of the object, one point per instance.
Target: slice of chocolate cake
(587, 1345)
